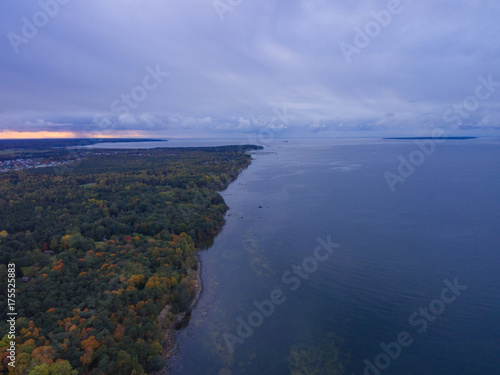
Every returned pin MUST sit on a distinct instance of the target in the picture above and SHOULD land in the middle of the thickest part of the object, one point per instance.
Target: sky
(230, 68)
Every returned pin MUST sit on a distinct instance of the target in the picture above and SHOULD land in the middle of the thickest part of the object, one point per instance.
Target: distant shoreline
(43, 144)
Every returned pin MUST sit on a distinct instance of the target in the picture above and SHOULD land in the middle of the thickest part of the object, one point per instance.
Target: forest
(104, 249)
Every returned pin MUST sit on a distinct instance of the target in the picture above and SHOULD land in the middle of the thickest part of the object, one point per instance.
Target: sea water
(410, 284)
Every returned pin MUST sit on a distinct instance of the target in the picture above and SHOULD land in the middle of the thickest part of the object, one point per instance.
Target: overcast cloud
(201, 68)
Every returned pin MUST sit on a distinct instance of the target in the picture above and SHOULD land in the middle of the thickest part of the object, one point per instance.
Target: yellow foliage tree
(136, 280)
(153, 282)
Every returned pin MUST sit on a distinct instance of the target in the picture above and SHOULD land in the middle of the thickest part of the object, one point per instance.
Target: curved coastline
(170, 343)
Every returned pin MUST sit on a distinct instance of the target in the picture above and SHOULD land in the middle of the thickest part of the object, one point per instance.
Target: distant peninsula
(444, 138)
(43, 144)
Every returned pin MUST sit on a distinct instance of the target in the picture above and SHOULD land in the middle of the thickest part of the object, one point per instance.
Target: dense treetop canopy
(106, 245)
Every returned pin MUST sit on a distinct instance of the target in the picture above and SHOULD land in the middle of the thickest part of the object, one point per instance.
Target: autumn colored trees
(107, 246)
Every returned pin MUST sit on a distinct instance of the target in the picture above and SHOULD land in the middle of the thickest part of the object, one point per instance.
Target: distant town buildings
(20, 164)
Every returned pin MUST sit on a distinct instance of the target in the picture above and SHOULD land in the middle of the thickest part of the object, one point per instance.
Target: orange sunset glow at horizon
(11, 134)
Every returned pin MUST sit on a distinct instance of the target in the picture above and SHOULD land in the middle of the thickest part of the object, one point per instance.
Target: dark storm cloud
(90, 66)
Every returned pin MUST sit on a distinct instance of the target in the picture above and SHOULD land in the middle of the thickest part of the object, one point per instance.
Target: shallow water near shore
(396, 251)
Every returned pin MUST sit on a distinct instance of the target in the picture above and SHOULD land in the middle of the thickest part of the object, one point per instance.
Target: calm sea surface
(398, 252)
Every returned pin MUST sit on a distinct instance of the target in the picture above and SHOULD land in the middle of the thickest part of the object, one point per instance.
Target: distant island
(444, 138)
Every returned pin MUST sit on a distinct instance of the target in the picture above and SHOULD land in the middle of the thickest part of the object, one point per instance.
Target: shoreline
(170, 344)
